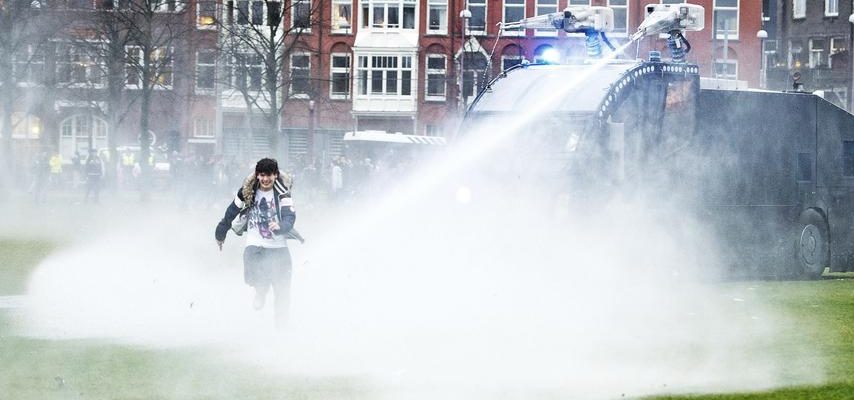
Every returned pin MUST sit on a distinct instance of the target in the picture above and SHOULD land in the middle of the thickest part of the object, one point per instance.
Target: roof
(382, 136)
(576, 88)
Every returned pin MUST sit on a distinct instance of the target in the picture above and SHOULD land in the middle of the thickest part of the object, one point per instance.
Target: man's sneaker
(260, 298)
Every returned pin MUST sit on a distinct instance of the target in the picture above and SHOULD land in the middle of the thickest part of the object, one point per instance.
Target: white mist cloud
(501, 295)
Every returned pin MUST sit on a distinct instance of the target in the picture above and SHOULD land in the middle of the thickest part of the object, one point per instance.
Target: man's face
(265, 180)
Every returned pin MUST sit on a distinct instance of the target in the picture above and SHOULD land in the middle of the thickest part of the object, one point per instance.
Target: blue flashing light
(551, 56)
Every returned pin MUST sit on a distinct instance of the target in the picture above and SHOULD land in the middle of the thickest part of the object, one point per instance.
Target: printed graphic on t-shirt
(263, 213)
(261, 216)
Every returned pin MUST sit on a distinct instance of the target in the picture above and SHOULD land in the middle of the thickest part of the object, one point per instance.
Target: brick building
(388, 65)
(811, 38)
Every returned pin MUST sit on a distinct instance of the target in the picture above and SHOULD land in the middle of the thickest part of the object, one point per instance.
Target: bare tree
(21, 36)
(136, 44)
(258, 40)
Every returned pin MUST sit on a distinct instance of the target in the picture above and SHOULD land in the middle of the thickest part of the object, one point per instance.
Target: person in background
(265, 197)
(55, 170)
(40, 173)
(94, 171)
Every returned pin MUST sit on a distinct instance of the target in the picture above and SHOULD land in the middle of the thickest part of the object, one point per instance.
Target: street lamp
(762, 35)
(465, 15)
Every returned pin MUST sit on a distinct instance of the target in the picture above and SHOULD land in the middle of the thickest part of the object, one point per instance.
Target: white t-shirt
(258, 233)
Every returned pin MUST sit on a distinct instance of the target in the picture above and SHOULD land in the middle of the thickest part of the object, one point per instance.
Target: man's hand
(274, 226)
(219, 243)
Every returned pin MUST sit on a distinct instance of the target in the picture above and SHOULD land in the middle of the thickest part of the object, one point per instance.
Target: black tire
(812, 247)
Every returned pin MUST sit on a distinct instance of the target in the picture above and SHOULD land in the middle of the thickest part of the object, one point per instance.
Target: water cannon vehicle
(771, 173)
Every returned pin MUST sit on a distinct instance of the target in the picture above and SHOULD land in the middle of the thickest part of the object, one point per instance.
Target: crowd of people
(208, 177)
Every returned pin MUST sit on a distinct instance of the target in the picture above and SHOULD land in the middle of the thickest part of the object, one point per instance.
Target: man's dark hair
(266, 166)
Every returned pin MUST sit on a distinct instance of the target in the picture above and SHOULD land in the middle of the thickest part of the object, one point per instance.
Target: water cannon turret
(593, 21)
(573, 19)
(666, 18)
(672, 19)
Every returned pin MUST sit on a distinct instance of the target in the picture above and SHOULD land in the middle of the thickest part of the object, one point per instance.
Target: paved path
(12, 301)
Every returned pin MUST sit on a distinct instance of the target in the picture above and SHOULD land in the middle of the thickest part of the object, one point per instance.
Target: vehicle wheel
(812, 245)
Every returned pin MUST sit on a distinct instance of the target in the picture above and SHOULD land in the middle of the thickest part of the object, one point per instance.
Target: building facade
(810, 40)
(347, 65)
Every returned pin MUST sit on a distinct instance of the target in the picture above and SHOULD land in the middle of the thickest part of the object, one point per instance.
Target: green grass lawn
(37, 369)
(17, 259)
(825, 314)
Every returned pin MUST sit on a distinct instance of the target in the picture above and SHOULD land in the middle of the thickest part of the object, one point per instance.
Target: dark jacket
(245, 199)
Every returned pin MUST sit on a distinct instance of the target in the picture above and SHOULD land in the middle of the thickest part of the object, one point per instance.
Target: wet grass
(825, 314)
(18, 257)
(36, 369)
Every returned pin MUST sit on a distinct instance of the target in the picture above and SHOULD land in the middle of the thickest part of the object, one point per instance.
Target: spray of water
(430, 291)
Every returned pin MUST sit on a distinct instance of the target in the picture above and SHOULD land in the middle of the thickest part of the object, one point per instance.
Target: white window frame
(337, 27)
(831, 8)
(199, 16)
(443, 73)
(199, 66)
(799, 9)
(365, 63)
(95, 66)
(34, 57)
(294, 5)
(790, 62)
(504, 7)
(386, 5)
(204, 128)
(478, 4)
(236, 71)
(291, 93)
(718, 33)
(817, 55)
(729, 61)
(339, 70)
(167, 6)
(542, 9)
(443, 26)
(233, 6)
(26, 126)
(616, 32)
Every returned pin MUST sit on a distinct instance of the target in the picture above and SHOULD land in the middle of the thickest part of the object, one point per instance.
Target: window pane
(406, 83)
(408, 17)
(300, 61)
(391, 82)
(274, 13)
(341, 16)
(478, 18)
(257, 12)
(243, 12)
(340, 62)
(393, 17)
(363, 82)
(512, 14)
(726, 3)
(376, 82)
(435, 63)
(340, 83)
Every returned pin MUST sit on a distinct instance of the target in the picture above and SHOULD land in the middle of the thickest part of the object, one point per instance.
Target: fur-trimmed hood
(281, 186)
